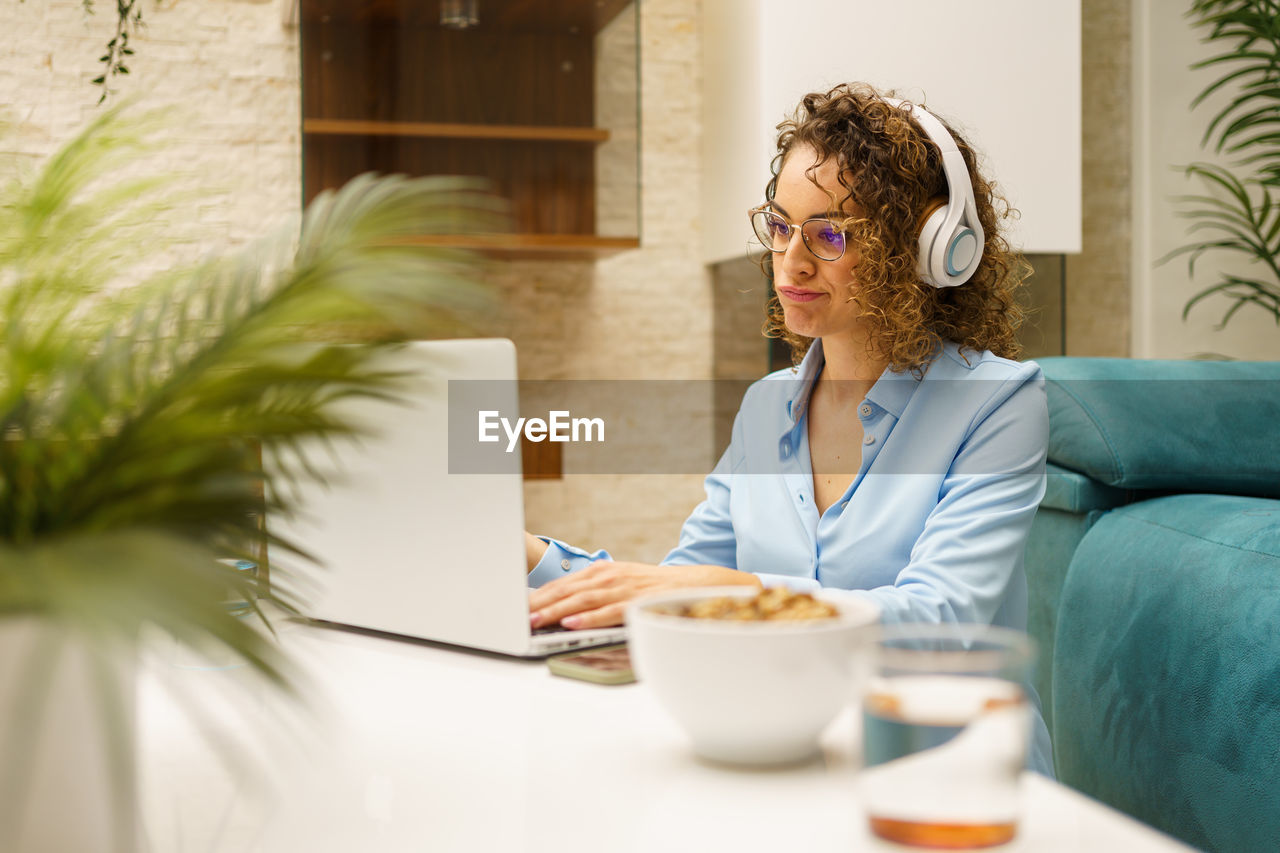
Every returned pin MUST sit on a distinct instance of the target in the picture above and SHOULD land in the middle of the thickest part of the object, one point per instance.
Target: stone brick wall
(225, 72)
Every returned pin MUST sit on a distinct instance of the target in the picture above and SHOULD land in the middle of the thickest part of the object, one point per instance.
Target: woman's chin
(798, 323)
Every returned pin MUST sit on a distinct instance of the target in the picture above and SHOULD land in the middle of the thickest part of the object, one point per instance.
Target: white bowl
(750, 692)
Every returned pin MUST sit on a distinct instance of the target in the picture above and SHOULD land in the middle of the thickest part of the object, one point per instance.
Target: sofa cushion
(1166, 425)
(1166, 684)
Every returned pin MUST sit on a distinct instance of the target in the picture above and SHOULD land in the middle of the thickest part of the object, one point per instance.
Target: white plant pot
(61, 788)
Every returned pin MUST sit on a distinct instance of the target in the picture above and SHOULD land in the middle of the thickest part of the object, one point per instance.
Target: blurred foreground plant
(135, 414)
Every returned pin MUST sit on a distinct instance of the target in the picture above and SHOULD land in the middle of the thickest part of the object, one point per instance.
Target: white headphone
(951, 236)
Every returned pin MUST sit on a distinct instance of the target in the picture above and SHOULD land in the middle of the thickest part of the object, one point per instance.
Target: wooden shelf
(518, 110)
(442, 130)
(534, 246)
(559, 16)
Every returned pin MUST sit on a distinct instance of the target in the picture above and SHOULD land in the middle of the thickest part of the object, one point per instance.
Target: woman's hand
(534, 548)
(598, 595)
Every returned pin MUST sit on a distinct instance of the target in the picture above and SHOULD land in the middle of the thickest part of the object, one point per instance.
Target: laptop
(409, 547)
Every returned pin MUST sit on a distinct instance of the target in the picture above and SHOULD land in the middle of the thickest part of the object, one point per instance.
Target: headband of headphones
(951, 236)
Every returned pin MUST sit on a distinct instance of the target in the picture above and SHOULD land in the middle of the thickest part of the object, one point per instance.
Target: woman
(904, 456)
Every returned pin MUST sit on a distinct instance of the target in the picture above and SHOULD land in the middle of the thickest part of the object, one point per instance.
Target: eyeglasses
(821, 236)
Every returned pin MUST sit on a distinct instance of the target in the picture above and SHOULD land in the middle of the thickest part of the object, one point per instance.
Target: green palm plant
(135, 416)
(1240, 212)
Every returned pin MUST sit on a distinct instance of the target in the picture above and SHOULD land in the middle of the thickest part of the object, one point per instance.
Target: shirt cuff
(560, 559)
(791, 582)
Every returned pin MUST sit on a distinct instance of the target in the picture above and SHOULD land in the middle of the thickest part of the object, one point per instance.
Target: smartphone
(605, 665)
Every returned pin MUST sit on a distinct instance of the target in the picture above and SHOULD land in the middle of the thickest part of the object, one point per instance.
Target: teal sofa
(1154, 575)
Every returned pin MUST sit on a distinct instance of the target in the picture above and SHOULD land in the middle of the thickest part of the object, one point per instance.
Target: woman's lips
(796, 295)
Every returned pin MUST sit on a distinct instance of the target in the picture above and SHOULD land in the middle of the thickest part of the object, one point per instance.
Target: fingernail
(571, 621)
(535, 619)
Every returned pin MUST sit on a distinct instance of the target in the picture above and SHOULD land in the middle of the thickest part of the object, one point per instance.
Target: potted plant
(134, 416)
(1240, 212)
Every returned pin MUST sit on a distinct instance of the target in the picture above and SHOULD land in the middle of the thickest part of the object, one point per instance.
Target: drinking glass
(946, 724)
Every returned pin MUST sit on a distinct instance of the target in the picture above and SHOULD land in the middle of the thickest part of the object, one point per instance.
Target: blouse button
(864, 410)
(871, 439)
(564, 564)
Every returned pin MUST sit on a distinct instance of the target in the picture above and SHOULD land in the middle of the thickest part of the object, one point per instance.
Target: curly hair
(893, 172)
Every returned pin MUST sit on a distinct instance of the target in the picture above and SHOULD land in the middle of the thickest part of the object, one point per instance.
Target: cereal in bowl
(774, 604)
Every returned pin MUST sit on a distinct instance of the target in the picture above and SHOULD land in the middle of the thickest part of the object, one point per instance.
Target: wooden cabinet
(540, 97)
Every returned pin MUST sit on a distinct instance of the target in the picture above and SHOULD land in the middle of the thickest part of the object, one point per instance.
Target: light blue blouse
(931, 529)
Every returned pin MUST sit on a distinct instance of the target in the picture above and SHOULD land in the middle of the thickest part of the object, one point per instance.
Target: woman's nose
(796, 259)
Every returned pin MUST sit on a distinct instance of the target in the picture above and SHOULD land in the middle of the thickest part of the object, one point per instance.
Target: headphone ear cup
(931, 224)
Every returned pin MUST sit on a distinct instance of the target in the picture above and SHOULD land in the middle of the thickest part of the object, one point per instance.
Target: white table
(412, 747)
